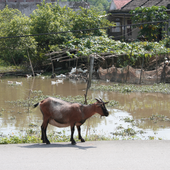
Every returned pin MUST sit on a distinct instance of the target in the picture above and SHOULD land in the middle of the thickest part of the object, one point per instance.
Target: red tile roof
(146, 3)
(120, 3)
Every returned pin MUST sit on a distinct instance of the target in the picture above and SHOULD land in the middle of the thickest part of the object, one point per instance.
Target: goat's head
(101, 109)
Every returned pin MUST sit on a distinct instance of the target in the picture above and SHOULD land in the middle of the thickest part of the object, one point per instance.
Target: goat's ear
(106, 102)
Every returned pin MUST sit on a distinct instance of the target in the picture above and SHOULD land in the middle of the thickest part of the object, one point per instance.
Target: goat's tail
(35, 105)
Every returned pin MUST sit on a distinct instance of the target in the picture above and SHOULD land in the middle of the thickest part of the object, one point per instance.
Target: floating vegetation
(12, 118)
(128, 119)
(125, 132)
(32, 125)
(112, 103)
(151, 137)
(156, 118)
(119, 127)
(38, 96)
(128, 88)
(1, 111)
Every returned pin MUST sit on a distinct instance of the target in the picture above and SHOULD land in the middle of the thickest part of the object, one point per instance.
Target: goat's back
(61, 111)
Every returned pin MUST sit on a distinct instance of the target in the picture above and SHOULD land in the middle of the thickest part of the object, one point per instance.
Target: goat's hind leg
(43, 133)
(73, 142)
(79, 134)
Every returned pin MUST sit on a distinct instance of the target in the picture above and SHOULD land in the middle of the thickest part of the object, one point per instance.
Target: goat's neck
(89, 110)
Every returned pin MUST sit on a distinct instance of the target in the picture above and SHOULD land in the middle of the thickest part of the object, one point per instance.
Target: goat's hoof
(73, 143)
(43, 141)
(82, 140)
(47, 142)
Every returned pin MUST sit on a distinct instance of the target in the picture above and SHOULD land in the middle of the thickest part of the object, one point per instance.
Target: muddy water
(138, 107)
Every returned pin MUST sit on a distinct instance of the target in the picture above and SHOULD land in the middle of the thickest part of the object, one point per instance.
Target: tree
(89, 19)
(51, 18)
(152, 31)
(99, 5)
(14, 24)
(50, 24)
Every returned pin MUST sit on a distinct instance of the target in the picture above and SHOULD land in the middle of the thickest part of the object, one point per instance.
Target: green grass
(4, 69)
(32, 136)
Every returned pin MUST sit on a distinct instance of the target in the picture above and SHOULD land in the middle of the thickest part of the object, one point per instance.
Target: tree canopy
(44, 23)
(151, 31)
(98, 5)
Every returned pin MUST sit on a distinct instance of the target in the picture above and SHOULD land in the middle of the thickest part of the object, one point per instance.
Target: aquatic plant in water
(128, 88)
(38, 96)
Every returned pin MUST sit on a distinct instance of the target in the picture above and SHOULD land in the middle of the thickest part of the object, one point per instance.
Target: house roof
(146, 3)
(120, 3)
(164, 3)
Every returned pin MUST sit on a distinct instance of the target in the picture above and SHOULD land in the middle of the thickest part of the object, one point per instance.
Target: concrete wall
(27, 6)
(112, 6)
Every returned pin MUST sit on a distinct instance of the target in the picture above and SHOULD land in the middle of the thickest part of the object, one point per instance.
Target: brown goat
(63, 114)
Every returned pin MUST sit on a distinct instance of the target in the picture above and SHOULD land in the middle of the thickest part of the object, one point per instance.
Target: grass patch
(5, 69)
(33, 136)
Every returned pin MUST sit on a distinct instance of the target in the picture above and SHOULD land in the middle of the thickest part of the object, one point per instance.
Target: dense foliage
(130, 52)
(46, 19)
(99, 5)
(151, 32)
(13, 23)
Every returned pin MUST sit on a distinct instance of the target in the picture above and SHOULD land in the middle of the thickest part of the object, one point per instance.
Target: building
(121, 17)
(118, 4)
(28, 6)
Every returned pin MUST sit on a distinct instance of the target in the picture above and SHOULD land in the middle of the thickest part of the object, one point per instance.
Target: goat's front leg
(79, 134)
(73, 142)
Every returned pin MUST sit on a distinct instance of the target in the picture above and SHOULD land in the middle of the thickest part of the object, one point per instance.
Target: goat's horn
(101, 100)
(97, 99)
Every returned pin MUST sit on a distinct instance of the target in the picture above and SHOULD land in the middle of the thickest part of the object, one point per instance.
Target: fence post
(90, 77)
(124, 29)
(127, 74)
(141, 70)
(30, 63)
(165, 70)
(53, 74)
(156, 68)
(128, 63)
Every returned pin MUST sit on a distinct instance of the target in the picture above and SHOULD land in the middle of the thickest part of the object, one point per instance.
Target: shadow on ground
(58, 145)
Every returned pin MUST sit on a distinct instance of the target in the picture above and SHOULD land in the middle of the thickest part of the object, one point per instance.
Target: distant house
(118, 4)
(121, 16)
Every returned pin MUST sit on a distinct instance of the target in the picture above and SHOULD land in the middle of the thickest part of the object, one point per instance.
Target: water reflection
(134, 105)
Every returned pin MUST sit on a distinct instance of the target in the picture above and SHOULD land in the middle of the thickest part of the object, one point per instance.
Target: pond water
(144, 114)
